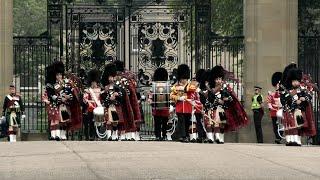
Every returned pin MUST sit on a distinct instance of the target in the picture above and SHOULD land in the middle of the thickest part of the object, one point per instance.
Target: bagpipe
(291, 106)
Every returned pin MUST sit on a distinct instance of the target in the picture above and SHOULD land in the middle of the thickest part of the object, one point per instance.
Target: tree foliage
(309, 17)
(29, 17)
(227, 17)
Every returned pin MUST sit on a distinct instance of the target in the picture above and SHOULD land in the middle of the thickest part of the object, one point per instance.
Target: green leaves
(29, 17)
(227, 17)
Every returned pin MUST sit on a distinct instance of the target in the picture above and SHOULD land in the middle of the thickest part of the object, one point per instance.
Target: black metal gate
(31, 56)
(228, 51)
(145, 34)
(309, 62)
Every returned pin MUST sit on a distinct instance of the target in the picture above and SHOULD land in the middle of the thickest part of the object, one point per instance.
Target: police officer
(257, 109)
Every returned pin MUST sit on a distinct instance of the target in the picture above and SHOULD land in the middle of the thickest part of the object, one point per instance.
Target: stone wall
(6, 48)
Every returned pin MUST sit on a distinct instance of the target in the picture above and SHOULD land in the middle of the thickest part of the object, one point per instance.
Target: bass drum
(161, 95)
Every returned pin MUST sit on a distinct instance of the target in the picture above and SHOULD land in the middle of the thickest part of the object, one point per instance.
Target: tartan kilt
(119, 113)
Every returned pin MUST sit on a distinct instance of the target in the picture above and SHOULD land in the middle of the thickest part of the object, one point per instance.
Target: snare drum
(161, 94)
(98, 114)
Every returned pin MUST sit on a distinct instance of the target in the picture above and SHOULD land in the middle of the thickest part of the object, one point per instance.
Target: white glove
(171, 109)
(182, 98)
(54, 97)
(2, 120)
(23, 116)
(280, 113)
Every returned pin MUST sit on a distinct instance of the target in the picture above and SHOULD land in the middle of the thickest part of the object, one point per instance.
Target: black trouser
(4, 129)
(200, 128)
(182, 128)
(257, 117)
(89, 130)
(275, 127)
(160, 126)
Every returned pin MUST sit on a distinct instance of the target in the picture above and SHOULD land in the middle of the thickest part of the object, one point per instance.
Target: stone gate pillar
(6, 47)
(271, 39)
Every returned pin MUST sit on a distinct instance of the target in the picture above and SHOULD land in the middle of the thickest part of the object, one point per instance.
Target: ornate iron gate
(145, 34)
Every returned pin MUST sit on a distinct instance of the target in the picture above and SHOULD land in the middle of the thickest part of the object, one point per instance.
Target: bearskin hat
(58, 67)
(276, 77)
(216, 72)
(109, 70)
(183, 72)
(202, 76)
(291, 73)
(93, 76)
(160, 74)
(50, 75)
(119, 65)
(286, 70)
(199, 75)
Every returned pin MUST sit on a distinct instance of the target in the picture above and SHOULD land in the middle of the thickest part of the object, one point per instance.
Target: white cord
(100, 135)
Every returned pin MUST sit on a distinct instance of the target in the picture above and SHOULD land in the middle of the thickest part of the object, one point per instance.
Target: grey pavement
(155, 160)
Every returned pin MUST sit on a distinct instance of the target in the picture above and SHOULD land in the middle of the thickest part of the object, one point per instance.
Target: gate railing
(309, 62)
(228, 51)
(31, 56)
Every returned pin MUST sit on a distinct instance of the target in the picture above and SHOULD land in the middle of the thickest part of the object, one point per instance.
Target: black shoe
(210, 141)
(193, 140)
(57, 138)
(186, 140)
(52, 138)
(199, 140)
(217, 141)
(277, 141)
(158, 139)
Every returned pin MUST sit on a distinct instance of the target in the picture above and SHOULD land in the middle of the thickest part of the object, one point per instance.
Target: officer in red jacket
(182, 93)
(274, 104)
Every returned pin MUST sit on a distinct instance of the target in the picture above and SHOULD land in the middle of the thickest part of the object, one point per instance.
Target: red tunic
(189, 91)
(89, 100)
(274, 103)
(133, 100)
(308, 128)
(73, 106)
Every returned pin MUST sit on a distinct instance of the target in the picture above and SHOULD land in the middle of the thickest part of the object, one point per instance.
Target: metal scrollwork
(158, 44)
(98, 42)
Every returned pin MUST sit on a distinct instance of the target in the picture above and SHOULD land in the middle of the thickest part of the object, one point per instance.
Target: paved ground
(155, 160)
